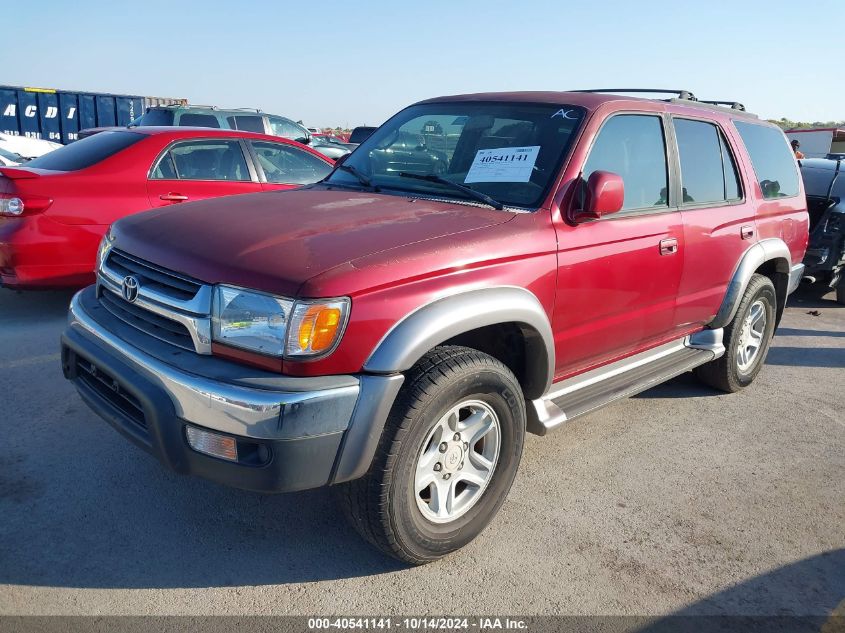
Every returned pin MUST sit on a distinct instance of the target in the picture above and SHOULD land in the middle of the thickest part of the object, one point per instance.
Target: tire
(387, 507)
(737, 367)
(840, 291)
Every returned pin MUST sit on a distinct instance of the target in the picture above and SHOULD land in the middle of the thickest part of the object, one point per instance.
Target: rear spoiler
(16, 173)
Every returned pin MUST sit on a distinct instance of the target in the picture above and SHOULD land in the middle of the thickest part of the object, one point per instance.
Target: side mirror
(605, 194)
(305, 140)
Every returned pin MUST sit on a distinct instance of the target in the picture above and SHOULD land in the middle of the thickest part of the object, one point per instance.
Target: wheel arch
(769, 257)
(494, 320)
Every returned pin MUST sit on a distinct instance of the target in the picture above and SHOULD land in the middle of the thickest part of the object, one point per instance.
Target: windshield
(507, 151)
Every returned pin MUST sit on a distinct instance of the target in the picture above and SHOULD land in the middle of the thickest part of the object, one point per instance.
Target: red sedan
(55, 209)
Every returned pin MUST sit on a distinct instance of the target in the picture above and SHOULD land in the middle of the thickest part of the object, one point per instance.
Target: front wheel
(747, 338)
(446, 460)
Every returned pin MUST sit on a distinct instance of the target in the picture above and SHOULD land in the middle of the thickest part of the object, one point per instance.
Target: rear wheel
(840, 290)
(747, 338)
(446, 460)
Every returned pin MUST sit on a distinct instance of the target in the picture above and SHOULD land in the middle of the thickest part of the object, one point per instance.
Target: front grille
(151, 276)
(148, 322)
(110, 390)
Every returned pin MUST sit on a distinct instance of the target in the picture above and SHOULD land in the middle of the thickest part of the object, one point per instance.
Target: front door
(618, 277)
(198, 169)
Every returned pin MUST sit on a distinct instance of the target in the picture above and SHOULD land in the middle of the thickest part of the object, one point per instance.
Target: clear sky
(356, 63)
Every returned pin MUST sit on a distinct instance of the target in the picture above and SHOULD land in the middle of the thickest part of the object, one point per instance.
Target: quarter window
(633, 147)
(708, 173)
(772, 159)
(285, 164)
(203, 160)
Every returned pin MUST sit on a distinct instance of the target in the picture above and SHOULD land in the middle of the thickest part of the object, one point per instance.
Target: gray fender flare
(445, 318)
(758, 254)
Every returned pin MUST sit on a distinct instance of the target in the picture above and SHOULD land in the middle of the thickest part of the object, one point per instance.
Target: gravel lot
(678, 500)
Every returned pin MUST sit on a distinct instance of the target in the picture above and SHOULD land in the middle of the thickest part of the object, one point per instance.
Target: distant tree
(789, 124)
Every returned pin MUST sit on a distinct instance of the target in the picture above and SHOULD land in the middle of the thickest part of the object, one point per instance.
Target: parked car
(213, 117)
(331, 146)
(9, 159)
(27, 147)
(395, 332)
(360, 134)
(824, 182)
(55, 209)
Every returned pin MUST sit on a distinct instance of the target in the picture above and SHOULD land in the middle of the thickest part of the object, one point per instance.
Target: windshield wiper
(361, 177)
(482, 197)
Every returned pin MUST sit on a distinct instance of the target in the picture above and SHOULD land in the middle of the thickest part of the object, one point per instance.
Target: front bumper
(291, 433)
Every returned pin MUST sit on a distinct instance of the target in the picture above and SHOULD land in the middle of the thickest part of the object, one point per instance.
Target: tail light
(17, 205)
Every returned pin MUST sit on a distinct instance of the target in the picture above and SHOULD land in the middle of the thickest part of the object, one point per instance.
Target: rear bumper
(36, 252)
(291, 433)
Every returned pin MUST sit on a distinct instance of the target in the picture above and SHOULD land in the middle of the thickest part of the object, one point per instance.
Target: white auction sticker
(503, 164)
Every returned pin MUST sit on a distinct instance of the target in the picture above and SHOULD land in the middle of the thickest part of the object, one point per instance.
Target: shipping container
(58, 115)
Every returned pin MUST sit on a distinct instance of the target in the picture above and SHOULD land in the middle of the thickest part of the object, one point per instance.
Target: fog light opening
(213, 444)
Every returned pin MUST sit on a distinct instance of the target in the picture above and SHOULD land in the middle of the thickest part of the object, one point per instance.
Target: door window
(633, 146)
(203, 160)
(247, 122)
(772, 159)
(708, 173)
(285, 164)
(198, 120)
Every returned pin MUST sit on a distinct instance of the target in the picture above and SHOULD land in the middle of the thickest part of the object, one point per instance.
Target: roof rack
(733, 105)
(683, 97)
(682, 94)
(259, 111)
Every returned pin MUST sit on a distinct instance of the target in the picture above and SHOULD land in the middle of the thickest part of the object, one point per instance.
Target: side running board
(591, 390)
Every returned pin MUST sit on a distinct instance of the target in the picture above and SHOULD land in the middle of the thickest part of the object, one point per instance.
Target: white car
(9, 159)
(27, 147)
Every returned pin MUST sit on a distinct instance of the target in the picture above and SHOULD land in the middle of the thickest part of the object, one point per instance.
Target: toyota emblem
(130, 288)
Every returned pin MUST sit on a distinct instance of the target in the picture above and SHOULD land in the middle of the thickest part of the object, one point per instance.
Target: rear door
(618, 277)
(283, 166)
(718, 217)
(201, 168)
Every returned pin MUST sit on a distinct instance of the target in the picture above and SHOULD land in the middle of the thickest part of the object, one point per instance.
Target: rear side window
(247, 123)
(708, 173)
(772, 159)
(285, 164)
(199, 120)
(633, 147)
(87, 151)
(203, 160)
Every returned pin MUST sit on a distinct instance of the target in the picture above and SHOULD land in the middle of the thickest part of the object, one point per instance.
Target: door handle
(669, 246)
(746, 232)
(173, 197)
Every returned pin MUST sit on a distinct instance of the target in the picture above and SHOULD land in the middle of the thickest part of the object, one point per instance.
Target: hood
(276, 241)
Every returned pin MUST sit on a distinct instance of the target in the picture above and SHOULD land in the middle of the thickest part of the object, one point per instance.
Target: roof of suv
(588, 100)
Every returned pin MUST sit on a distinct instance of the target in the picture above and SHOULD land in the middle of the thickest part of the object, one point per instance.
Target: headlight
(276, 326)
(250, 320)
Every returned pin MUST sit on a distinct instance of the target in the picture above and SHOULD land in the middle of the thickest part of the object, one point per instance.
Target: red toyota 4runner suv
(482, 266)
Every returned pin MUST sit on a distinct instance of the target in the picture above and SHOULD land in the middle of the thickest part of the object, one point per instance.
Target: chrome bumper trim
(225, 407)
